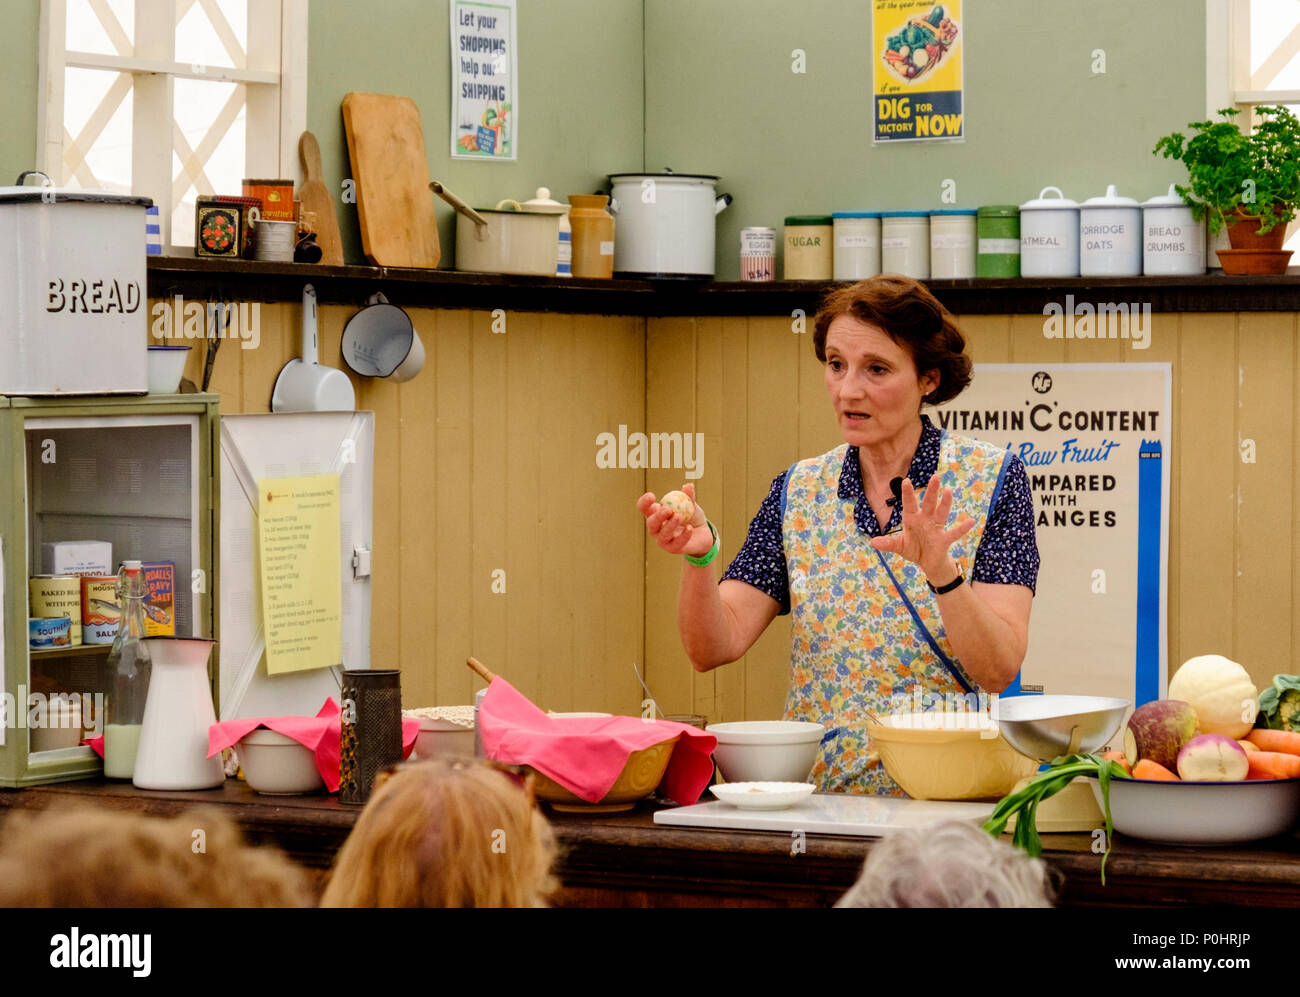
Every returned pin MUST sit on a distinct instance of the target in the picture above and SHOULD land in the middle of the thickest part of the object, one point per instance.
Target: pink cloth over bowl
(586, 754)
(320, 734)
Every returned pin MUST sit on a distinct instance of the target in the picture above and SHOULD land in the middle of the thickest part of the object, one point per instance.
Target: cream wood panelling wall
(486, 461)
(755, 389)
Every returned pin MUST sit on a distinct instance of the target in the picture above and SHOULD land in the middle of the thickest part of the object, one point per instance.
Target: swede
(1213, 758)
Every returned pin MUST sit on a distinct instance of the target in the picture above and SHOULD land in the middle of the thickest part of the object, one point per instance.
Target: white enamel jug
(173, 751)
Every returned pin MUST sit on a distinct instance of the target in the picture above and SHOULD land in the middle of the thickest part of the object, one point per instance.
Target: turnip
(1213, 758)
(1158, 731)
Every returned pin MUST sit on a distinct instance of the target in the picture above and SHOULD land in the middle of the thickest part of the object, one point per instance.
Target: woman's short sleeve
(761, 560)
(1008, 551)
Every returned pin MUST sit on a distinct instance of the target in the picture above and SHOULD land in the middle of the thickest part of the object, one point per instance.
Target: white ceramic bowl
(278, 765)
(166, 365)
(1202, 813)
(762, 795)
(442, 737)
(766, 750)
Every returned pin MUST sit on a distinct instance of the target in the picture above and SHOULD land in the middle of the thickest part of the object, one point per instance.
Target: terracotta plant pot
(1243, 232)
(1239, 262)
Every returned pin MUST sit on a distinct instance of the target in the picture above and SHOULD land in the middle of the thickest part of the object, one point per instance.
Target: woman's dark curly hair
(913, 318)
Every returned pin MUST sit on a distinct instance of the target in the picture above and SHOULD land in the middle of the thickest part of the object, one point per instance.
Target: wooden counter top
(628, 860)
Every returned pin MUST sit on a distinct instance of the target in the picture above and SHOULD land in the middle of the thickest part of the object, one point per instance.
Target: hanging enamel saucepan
(380, 341)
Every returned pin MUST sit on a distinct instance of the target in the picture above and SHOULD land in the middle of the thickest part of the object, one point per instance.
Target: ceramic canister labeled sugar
(952, 243)
(905, 243)
(757, 253)
(857, 244)
(998, 249)
(1049, 235)
(1110, 236)
(1173, 242)
(808, 254)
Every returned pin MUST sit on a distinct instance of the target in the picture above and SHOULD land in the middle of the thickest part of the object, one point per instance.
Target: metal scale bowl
(1045, 727)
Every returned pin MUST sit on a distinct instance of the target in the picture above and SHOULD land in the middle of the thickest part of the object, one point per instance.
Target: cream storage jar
(857, 244)
(1173, 242)
(1110, 236)
(905, 243)
(808, 253)
(952, 244)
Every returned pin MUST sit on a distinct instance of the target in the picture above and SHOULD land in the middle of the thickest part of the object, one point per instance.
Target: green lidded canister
(998, 231)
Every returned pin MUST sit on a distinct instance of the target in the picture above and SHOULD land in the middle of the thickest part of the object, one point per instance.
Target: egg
(679, 503)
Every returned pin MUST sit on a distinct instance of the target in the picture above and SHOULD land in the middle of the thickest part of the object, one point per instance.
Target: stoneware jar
(593, 235)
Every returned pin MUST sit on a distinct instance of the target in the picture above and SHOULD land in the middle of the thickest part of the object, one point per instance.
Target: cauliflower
(1279, 705)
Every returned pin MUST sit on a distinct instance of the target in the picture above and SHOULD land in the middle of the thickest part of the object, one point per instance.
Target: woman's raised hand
(926, 537)
(673, 534)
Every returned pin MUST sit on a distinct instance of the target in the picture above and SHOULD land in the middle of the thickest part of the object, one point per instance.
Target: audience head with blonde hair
(952, 864)
(446, 833)
(94, 858)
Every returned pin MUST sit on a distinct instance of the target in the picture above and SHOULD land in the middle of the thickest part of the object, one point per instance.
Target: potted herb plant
(1248, 182)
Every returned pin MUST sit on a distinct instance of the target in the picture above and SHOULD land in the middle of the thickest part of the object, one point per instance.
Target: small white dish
(762, 795)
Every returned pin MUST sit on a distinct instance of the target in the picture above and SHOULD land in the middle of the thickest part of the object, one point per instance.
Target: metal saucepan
(503, 241)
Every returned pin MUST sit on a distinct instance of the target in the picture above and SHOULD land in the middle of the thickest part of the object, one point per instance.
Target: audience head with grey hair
(953, 864)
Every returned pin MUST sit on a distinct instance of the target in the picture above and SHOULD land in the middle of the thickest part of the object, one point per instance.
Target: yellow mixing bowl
(948, 756)
(640, 776)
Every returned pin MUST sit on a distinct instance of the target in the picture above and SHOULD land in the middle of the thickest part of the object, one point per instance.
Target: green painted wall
(18, 67)
(580, 95)
(721, 98)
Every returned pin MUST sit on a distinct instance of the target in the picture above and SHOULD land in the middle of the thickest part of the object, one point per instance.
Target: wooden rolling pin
(483, 671)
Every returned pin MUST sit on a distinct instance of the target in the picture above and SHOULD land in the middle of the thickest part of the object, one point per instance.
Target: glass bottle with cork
(129, 668)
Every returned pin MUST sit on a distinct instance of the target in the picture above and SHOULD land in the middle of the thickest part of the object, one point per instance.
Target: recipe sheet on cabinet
(299, 542)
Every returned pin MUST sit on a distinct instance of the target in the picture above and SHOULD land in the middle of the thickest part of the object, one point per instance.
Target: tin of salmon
(100, 613)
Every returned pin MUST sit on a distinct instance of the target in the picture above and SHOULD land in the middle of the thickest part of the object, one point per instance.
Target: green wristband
(701, 562)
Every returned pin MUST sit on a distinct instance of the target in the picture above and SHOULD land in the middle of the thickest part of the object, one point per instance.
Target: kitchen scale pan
(1045, 727)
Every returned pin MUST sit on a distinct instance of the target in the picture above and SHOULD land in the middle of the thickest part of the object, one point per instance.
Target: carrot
(1285, 741)
(1273, 765)
(1118, 756)
(1147, 769)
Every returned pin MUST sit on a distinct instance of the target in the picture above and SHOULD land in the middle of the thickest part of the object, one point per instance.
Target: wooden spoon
(483, 671)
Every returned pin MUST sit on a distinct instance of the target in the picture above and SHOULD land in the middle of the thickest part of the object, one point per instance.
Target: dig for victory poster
(917, 55)
(1094, 439)
(484, 75)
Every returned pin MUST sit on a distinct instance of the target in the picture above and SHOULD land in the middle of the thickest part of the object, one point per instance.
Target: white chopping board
(828, 813)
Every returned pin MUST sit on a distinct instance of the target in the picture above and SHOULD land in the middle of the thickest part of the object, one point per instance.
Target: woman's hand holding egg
(678, 525)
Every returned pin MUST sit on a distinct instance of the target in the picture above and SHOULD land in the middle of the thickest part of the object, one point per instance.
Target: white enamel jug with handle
(173, 752)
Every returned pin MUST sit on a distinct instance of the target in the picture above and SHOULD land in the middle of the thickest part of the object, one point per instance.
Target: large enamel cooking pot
(503, 241)
(665, 223)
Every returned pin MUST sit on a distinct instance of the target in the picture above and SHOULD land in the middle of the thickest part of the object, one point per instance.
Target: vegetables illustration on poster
(917, 70)
(484, 70)
(1094, 439)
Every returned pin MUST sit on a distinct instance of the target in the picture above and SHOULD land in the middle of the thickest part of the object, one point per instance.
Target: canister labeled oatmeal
(758, 253)
(57, 595)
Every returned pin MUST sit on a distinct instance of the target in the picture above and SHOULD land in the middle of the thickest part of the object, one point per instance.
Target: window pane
(86, 101)
(87, 33)
(1270, 22)
(201, 42)
(203, 107)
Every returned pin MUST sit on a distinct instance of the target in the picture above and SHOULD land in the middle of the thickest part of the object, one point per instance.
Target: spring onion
(1024, 803)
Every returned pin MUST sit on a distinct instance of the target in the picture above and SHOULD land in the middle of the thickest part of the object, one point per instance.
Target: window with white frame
(172, 99)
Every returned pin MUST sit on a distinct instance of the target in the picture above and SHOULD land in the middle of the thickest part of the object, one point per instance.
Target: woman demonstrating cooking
(936, 601)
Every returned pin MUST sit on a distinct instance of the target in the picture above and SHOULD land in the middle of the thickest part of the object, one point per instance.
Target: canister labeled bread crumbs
(998, 229)
(808, 253)
(57, 595)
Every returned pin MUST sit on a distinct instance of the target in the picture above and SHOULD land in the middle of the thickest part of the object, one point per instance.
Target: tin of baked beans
(758, 253)
(100, 613)
(57, 595)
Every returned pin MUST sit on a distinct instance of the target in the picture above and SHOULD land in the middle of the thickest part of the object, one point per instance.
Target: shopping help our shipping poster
(484, 81)
(917, 78)
(1094, 439)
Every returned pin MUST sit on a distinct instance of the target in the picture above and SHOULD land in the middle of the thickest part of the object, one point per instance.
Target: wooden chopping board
(315, 197)
(394, 205)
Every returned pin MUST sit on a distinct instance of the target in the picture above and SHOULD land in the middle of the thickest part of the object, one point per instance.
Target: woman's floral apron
(867, 634)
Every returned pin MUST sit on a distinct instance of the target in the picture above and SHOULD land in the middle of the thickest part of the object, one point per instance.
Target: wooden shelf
(249, 280)
(76, 651)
